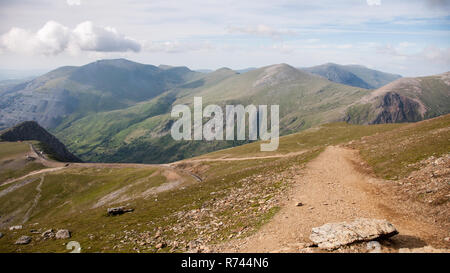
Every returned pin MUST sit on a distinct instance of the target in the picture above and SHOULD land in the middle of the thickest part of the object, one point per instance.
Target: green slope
(234, 197)
(69, 93)
(141, 133)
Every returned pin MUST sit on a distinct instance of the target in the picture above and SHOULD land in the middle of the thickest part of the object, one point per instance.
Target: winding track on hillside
(331, 190)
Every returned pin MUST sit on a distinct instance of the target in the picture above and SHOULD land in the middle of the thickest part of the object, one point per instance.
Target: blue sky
(411, 38)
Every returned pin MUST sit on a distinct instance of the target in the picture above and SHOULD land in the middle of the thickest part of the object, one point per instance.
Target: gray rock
(24, 240)
(62, 234)
(118, 211)
(48, 234)
(1, 235)
(335, 235)
(15, 227)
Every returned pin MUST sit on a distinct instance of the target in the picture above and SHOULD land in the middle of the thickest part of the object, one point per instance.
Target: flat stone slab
(335, 235)
(24, 240)
(62, 234)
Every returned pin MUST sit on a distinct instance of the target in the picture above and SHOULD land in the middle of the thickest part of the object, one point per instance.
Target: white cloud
(176, 46)
(93, 38)
(54, 38)
(73, 2)
(436, 55)
(373, 2)
(259, 30)
(430, 54)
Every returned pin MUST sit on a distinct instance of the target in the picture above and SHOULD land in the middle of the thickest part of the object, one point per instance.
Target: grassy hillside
(233, 200)
(392, 154)
(141, 133)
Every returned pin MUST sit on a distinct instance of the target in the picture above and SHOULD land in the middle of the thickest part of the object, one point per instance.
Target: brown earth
(332, 189)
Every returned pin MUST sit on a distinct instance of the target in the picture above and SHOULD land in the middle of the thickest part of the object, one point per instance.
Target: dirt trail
(331, 190)
(43, 171)
(238, 158)
(35, 201)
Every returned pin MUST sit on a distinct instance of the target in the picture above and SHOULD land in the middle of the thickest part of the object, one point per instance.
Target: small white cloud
(436, 54)
(373, 2)
(54, 38)
(344, 46)
(312, 40)
(259, 30)
(73, 2)
(176, 46)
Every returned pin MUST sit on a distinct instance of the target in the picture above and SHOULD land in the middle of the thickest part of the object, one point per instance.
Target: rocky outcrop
(335, 235)
(118, 211)
(31, 130)
(395, 108)
(62, 234)
(404, 100)
(23, 240)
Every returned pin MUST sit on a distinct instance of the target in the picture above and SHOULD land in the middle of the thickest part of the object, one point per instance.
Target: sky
(411, 37)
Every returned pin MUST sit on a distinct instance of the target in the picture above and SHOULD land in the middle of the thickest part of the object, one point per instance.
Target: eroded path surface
(331, 189)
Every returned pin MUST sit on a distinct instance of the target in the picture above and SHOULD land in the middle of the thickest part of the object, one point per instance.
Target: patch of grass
(392, 154)
(6, 174)
(12, 149)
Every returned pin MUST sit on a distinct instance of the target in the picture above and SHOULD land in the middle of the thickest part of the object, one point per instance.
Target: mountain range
(119, 111)
(354, 75)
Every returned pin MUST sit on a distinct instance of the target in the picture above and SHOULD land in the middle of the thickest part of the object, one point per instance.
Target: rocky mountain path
(331, 189)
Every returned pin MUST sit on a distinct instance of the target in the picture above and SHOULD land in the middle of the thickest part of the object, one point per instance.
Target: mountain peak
(277, 73)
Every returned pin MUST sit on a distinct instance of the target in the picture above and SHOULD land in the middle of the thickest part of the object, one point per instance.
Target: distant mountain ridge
(119, 111)
(354, 75)
(72, 92)
(30, 130)
(141, 133)
(404, 100)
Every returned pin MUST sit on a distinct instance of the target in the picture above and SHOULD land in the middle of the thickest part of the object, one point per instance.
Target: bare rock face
(62, 234)
(394, 107)
(24, 240)
(335, 235)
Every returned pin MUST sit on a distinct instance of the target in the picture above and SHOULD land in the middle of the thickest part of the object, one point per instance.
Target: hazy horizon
(410, 38)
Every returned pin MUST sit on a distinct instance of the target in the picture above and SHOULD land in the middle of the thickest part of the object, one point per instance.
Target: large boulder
(62, 234)
(335, 235)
